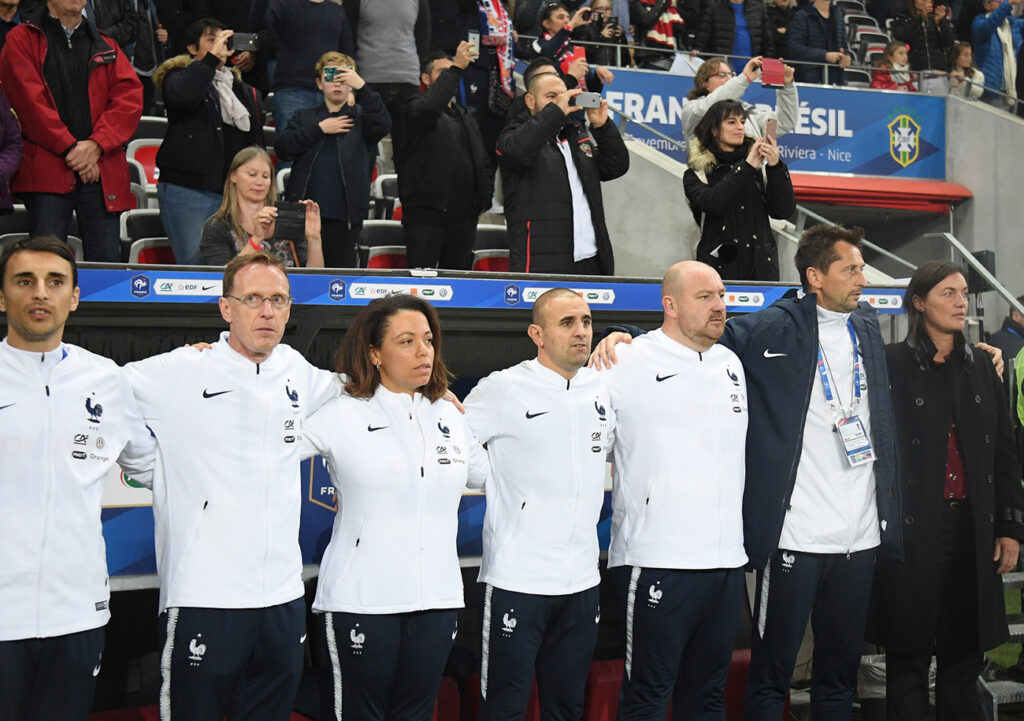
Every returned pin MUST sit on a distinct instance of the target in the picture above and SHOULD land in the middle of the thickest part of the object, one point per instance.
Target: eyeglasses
(723, 75)
(280, 302)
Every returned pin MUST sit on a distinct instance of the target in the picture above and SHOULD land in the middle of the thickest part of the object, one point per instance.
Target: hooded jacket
(193, 152)
(538, 200)
(115, 102)
(732, 204)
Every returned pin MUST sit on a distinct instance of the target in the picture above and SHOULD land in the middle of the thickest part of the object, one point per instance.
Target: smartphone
(771, 127)
(291, 221)
(773, 73)
(473, 36)
(612, 20)
(331, 74)
(579, 53)
(588, 100)
(244, 42)
(586, 15)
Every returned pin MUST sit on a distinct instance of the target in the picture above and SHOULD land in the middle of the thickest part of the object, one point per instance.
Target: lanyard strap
(823, 372)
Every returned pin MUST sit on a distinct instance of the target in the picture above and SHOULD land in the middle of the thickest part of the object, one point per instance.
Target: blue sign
(337, 289)
(863, 132)
(139, 286)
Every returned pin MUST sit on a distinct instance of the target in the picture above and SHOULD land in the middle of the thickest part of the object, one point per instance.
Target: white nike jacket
(548, 439)
(400, 464)
(60, 433)
(226, 490)
(680, 435)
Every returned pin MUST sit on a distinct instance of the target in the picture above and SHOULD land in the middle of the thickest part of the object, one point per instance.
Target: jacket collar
(923, 349)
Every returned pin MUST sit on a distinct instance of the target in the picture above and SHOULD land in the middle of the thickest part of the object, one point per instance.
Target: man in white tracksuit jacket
(66, 417)
(226, 503)
(540, 546)
(677, 528)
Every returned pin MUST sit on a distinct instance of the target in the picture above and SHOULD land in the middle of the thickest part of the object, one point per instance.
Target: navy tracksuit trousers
(525, 633)
(834, 591)
(243, 663)
(680, 629)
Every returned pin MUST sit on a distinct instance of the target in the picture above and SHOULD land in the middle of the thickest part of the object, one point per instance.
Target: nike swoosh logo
(534, 415)
(7, 406)
(302, 639)
(768, 354)
(207, 394)
(661, 378)
(371, 429)
(207, 287)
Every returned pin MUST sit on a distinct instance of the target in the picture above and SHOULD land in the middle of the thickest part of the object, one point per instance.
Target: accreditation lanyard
(853, 436)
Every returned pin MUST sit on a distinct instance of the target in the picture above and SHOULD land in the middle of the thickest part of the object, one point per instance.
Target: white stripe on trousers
(762, 607)
(634, 579)
(165, 665)
(485, 655)
(332, 651)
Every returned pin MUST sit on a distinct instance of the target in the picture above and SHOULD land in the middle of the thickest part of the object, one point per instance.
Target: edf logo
(337, 289)
(140, 286)
(512, 294)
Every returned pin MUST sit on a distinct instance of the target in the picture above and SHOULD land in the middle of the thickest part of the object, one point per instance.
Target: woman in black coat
(927, 31)
(963, 506)
(734, 183)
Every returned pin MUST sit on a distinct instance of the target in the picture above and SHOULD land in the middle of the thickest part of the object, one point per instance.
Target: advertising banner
(839, 130)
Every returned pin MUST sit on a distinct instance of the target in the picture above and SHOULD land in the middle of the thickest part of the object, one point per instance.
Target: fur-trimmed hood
(702, 160)
(176, 63)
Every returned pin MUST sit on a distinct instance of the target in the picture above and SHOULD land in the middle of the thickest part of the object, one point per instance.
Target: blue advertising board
(839, 130)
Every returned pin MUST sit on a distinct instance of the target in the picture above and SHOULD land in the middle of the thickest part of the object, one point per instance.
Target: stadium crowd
(437, 77)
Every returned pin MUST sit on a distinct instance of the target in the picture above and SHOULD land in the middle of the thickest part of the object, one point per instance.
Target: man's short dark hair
(550, 9)
(197, 28)
(535, 66)
(817, 247)
(39, 244)
(428, 62)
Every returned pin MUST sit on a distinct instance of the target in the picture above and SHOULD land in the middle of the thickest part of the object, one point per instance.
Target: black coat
(538, 201)
(926, 398)
(732, 208)
(433, 131)
(929, 42)
(193, 152)
(780, 18)
(809, 40)
(718, 28)
(303, 140)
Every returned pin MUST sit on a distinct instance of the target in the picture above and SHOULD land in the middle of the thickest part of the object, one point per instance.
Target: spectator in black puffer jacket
(331, 146)
(780, 15)
(929, 33)
(740, 29)
(732, 195)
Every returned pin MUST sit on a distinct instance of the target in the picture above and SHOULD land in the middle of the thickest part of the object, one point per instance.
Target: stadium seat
(269, 136)
(152, 251)
(853, 6)
(492, 261)
(471, 701)
(14, 222)
(385, 186)
(491, 237)
(282, 180)
(386, 256)
(150, 127)
(446, 708)
(138, 224)
(144, 151)
(139, 194)
(152, 713)
(870, 36)
(74, 242)
(859, 18)
(377, 233)
(856, 78)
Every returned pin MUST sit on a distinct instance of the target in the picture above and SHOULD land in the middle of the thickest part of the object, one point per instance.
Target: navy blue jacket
(808, 41)
(778, 392)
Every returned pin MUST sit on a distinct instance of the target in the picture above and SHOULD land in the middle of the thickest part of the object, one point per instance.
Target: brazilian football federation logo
(904, 139)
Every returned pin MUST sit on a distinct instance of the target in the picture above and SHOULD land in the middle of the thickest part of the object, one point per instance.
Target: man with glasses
(226, 502)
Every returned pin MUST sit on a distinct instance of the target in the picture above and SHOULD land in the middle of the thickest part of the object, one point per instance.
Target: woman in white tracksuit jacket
(400, 457)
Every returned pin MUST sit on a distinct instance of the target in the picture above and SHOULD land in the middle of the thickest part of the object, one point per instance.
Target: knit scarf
(731, 157)
(498, 32)
(1005, 34)
(900, 74)
(232, 110)
(663, 34)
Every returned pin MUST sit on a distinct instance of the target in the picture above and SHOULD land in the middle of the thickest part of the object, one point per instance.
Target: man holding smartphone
(552, 166)
(444, 183)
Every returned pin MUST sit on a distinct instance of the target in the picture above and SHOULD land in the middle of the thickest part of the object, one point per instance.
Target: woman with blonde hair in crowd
(965, 80)
(893, 71)
(246, 219)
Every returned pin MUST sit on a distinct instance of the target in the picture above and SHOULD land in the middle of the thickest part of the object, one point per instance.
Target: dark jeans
(956, 640)
(449, 247)
(339, 243)
(394, 96)
(50, 214)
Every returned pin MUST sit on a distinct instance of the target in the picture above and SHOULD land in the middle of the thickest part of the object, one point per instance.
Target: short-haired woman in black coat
(963, 506)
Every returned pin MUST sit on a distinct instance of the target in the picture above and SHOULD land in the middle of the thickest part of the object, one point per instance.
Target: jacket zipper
(48, 475)
(573, 430)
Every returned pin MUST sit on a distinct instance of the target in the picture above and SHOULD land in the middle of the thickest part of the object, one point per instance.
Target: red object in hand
(579, 53)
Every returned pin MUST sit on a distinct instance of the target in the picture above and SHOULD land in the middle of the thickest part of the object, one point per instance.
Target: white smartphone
(473, 36)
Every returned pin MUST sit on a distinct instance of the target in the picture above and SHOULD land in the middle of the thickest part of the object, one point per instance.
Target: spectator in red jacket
(75, 119)
(894, 69)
